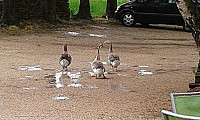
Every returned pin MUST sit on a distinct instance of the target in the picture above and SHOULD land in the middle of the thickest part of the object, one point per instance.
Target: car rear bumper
(117, 15)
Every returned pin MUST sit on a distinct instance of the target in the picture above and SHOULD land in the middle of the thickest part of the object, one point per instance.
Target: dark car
(149, 12)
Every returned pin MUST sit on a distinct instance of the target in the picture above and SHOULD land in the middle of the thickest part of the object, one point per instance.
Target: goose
(65, 59)
(113, 58)
(97, 66)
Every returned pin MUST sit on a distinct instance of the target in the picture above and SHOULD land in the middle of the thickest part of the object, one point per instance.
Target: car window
(172, 1)
(139, 0)
(151, 1)
(164, 1)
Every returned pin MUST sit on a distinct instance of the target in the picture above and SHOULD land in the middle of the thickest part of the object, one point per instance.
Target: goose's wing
(97, 65)
(112, 57)
(65, 60)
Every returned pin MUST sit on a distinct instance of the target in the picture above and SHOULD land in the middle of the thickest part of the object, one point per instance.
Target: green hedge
(97, 7)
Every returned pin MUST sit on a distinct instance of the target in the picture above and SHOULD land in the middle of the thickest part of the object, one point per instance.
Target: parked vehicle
(148, 12)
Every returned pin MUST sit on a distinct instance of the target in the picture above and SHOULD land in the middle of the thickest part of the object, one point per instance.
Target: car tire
(128, 19)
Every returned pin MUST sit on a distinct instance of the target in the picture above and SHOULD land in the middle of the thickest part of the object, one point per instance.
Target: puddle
(71, 78)
(81, 34)
(58, 82)
(99, 27)
(143, 66)
(29, 76)
(30, 68)
(26, 77)
(70, 33)
(29, 88)
(73, 33)
(74, 75)
(68, 79)
(60, 97)
(144, 72)
(74, 85)
(96, 35)
(54, 80)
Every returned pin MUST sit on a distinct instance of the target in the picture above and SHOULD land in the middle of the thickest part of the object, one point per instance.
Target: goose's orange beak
(106, 42)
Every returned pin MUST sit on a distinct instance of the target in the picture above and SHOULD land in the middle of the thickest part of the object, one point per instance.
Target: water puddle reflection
(29, 88)
(73, 33)
(74, 76)
(143, 66)
(96, 35)
(28, 77)
(30, 68)
(58, 82)
(81, 34)
(145, 70)
(54, 80)
(75, 85)
(60, 97)
(60, 79)
(99, 27)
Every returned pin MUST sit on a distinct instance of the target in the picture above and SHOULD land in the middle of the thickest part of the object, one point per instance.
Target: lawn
(97, 7)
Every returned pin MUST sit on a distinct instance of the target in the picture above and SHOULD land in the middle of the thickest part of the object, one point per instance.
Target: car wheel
(128, 19)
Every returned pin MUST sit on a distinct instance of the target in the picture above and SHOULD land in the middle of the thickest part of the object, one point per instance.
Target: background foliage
(97, 7)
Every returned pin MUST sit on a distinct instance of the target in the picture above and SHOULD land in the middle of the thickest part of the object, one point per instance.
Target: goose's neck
(65, 49)
(111, 49)
(97, 56)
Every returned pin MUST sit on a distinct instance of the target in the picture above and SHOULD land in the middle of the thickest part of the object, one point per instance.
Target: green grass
(97, 7)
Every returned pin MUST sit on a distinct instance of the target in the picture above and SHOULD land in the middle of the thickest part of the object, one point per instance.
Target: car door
(170, 13)
(149, 11)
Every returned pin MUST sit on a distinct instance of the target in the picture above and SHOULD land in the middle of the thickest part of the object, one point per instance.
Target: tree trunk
(191, 16)
(50, 10)
(10, 12)
(62, 8)
(110, 8)
(189, 12)
(84, 10)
